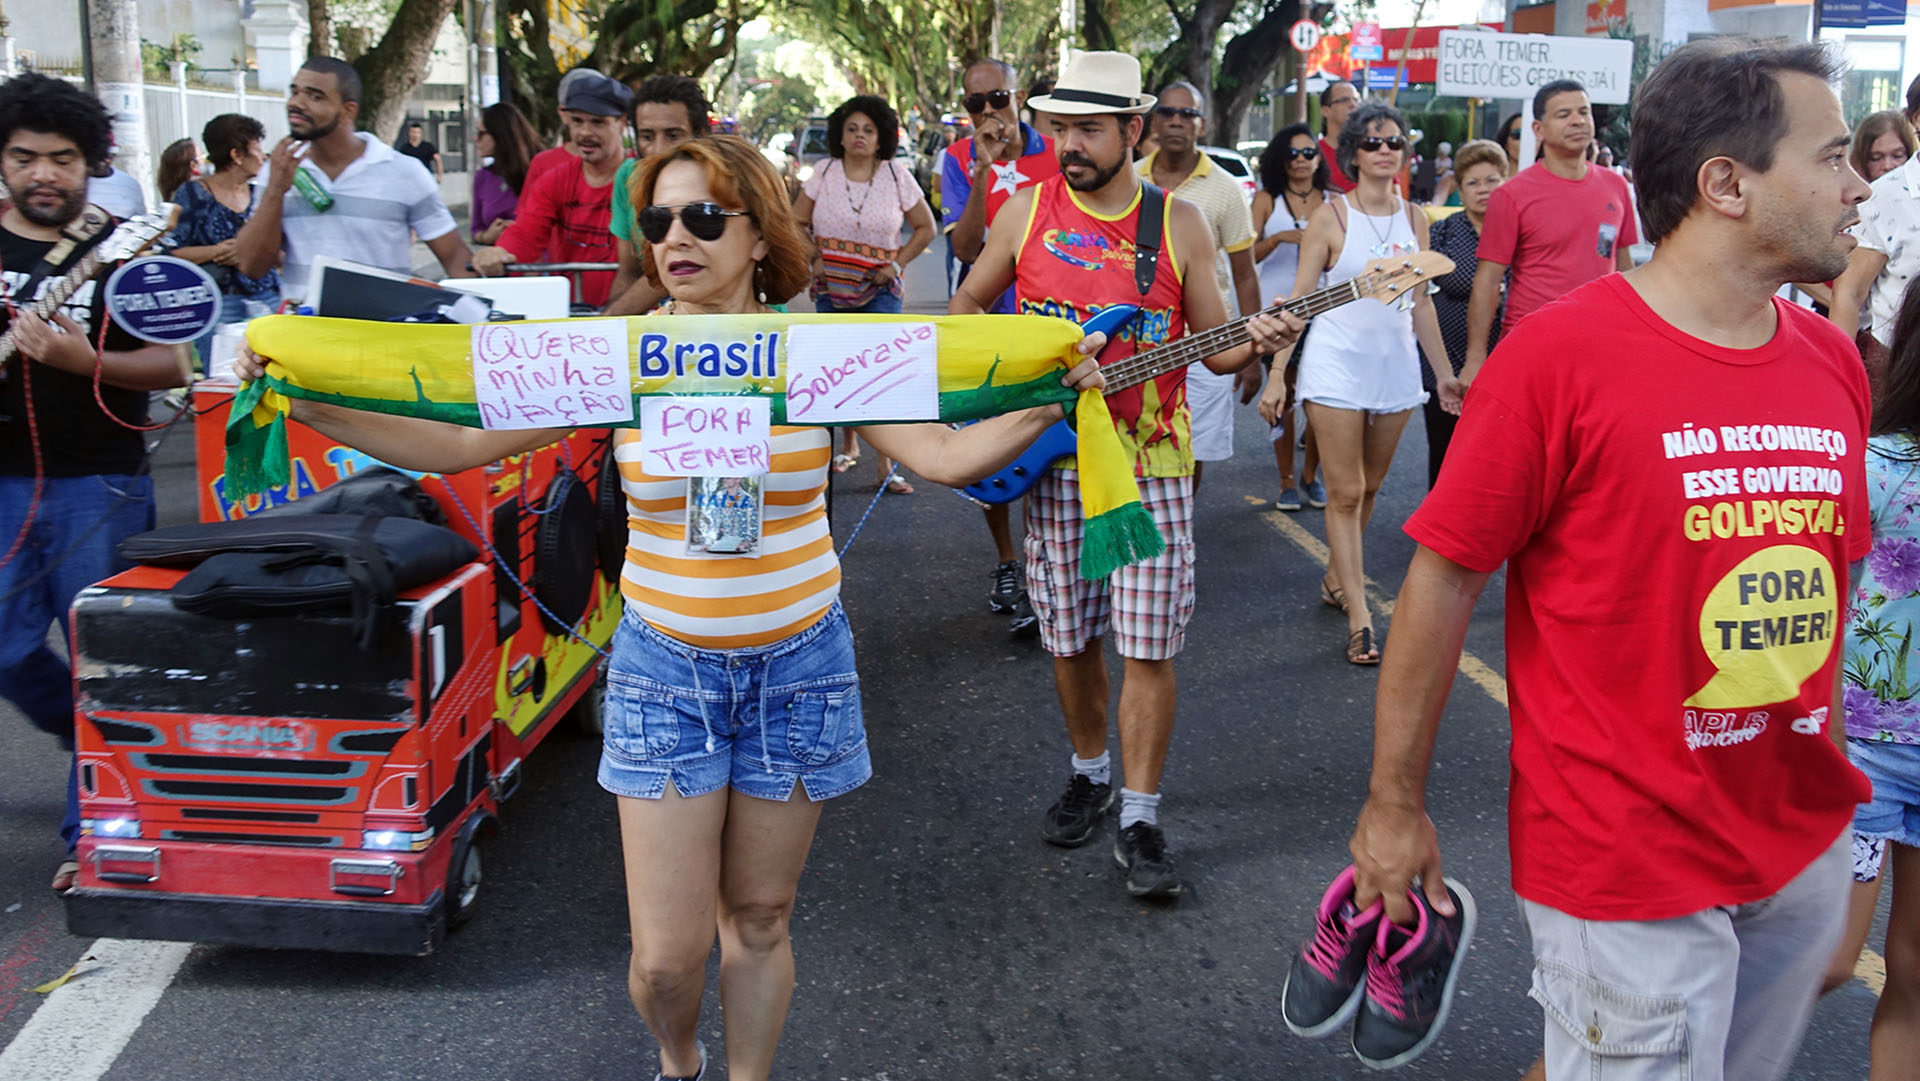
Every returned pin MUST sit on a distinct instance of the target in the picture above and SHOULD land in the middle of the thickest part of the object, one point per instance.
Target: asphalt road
(937, 936)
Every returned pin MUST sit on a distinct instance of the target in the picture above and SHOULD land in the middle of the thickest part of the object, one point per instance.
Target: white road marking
(82, 1027)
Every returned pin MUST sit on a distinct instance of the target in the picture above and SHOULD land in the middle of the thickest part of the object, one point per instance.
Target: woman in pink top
(853, 206)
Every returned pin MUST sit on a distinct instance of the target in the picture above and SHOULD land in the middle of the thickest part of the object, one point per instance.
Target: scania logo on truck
(250, 736)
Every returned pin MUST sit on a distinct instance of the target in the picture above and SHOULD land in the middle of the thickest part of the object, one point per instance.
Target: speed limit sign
(1305, 35)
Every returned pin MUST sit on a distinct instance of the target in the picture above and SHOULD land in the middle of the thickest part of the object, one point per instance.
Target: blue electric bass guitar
(1385, 280)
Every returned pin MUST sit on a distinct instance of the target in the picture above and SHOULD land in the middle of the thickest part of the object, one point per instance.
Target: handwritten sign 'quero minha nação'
(562, 374)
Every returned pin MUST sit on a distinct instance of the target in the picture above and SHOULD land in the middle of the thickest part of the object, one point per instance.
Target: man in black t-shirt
(417, 148)
(73, 479)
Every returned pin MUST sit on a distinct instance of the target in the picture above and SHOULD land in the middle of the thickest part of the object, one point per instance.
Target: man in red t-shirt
(1557, 225)
(563, 216)
(1669, 463)
(1337, 102)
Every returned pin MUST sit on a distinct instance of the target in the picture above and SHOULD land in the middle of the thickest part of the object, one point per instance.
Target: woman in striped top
(733, 705)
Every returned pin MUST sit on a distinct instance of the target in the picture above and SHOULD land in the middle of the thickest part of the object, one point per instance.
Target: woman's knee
(664, 975)
(760, 926)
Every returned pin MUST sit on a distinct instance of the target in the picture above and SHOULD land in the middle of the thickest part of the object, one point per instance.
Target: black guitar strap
(1146, 244)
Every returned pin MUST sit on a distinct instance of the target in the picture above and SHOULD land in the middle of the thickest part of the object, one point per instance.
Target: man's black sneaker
(1410, 978)
(1024, 623)
(1071, 819)
(1328, 978)
(1142, 851)
(1007, 590)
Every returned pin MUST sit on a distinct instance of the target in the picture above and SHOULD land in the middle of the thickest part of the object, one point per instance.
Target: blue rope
(515, 579)
(851, 537)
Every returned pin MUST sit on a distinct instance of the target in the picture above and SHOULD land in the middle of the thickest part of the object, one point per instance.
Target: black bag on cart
(279, 565)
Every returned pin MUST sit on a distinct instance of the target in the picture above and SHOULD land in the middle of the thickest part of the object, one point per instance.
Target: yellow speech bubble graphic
(1767, 626)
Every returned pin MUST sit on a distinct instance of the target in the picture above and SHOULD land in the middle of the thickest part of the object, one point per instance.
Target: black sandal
(1360, 648)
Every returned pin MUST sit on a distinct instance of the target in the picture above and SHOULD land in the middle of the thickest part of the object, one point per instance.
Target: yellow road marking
(1870, 969)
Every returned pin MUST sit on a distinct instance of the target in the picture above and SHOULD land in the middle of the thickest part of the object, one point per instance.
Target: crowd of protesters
(1682, 841)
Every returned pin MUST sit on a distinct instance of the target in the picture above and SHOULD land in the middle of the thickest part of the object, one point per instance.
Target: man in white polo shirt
(1181, 167)
(356, 198)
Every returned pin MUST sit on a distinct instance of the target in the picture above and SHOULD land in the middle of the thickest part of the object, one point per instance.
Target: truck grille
(252, 838)
(251, 793)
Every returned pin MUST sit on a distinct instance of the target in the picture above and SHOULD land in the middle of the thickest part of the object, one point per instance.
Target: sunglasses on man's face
(1298, 152)
(1373, 143)
(1168, 112)
(706, 221)
(978, 103)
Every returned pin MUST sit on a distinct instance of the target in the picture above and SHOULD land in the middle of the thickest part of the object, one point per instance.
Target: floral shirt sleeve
(1882, 699)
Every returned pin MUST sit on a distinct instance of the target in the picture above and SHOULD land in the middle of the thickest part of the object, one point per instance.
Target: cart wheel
(587, 716)
(464, 876)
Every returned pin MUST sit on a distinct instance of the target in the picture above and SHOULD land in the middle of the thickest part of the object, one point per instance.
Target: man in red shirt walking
(1337, 102)
(1069, 247)
(1669, 463)
(1557, 225)
(563, 216)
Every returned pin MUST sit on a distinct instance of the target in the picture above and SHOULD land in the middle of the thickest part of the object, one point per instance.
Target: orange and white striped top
(732, 601)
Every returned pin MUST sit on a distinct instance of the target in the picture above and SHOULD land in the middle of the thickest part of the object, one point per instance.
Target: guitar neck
(1154, 363)
(50, 300)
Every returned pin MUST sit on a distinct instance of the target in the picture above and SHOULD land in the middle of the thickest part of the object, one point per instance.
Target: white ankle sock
(1139, 807)
(1098, 770)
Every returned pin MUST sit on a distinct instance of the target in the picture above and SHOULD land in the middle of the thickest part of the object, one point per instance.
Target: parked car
(1236, 166)
(808, 149)
(776, 149)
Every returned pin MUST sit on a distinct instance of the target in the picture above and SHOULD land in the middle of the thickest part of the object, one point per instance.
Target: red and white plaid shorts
(1148, 604)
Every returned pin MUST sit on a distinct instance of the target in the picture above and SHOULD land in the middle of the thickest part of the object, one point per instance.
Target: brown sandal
(1332, 596)
(1360, 648)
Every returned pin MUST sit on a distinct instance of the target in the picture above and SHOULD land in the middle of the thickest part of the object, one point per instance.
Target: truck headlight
(122, 828)
(396, 840)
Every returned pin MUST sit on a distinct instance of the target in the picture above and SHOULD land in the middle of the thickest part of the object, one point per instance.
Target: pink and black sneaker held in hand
(1325, 984)
(1410, 978)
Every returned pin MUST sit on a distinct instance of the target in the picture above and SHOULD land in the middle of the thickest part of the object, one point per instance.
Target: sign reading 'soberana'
(1476, 64)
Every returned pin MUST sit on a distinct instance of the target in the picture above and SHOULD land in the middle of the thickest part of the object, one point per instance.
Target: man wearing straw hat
(1069, 247)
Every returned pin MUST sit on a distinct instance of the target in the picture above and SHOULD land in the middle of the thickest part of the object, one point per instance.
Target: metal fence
(175, 113)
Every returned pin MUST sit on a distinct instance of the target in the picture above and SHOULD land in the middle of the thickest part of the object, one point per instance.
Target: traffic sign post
(1305, 35)
(1366, 42)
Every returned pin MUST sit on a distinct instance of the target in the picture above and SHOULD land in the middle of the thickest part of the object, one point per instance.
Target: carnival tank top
(1071, 263)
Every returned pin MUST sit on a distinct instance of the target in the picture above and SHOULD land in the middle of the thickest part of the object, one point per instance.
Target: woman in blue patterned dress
(212, 210)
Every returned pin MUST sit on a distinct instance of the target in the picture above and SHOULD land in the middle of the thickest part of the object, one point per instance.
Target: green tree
(631, 39)
(395, 67)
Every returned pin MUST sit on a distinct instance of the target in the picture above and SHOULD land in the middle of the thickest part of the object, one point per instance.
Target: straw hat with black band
(1095, 83)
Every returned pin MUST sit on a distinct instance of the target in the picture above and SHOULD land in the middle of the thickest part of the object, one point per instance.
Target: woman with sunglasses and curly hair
(732, 710)
(1294, 180)
(1359, 370)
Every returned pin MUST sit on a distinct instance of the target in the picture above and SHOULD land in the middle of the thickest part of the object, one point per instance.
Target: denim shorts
(1893, 814)
(756, 719)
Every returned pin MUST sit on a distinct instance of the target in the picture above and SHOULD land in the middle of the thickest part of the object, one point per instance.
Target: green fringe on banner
(257, 458)
(1122, 536)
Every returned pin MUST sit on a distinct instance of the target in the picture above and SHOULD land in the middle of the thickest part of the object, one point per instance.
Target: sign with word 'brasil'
(981, 366)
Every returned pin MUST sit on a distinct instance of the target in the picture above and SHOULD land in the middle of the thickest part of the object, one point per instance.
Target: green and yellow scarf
(988, 365)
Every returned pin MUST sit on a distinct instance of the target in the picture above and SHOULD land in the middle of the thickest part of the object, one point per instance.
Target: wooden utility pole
(114, 26)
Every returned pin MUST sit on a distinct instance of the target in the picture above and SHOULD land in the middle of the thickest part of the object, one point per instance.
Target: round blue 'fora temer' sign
(163, 299)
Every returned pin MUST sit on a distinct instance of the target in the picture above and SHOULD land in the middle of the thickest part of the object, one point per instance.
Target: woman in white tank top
(1359, 371)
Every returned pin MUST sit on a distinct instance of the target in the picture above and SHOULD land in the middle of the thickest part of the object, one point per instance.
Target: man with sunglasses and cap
(1179, 166)
(563, 216)
(977, 176)
(1069, 247)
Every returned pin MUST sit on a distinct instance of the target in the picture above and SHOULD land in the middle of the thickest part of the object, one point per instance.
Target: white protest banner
(857, 371)
(705, 437)
(1476, 64)
(564, 374)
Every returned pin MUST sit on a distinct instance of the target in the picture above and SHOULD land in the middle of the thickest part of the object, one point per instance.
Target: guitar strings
(1146, 365)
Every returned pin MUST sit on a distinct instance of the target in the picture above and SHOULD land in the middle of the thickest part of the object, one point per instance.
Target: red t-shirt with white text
(1677, 519)
(1555, 234)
